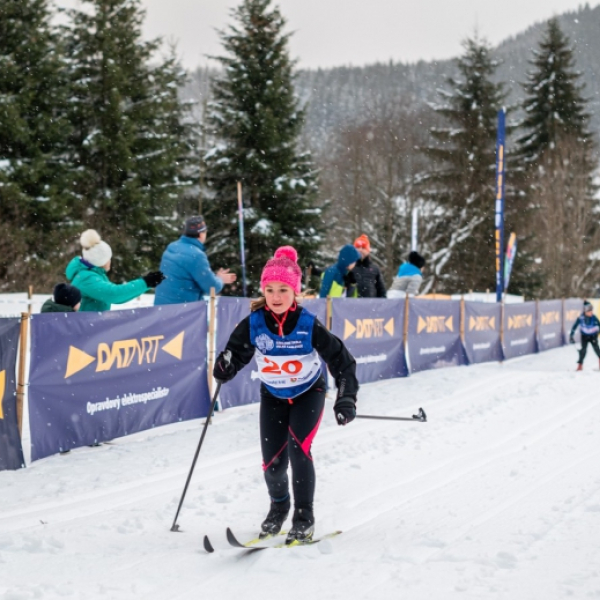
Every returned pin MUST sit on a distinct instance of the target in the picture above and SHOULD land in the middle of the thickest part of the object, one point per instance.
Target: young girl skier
(590, 327)
(287, 340)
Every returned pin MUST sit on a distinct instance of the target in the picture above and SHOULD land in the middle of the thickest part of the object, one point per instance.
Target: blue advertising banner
(11, 452)
(482, 332)
(97, 376)
(550, 325)
(572, 309)
(371, 328)
(244, 388)
(519, 329)
(434, 335)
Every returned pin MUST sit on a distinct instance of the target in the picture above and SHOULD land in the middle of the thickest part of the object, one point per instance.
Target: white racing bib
(286, 371)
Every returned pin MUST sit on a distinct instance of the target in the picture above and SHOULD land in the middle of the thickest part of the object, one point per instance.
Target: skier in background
(287, 341)
(590, 327)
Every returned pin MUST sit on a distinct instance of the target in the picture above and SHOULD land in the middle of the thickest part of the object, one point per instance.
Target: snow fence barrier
(97, 376)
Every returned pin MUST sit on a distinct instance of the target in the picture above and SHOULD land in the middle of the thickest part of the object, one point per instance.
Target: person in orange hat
(369, 281)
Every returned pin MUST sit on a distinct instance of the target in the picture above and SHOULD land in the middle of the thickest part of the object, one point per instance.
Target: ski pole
(175, 526)
(421, 417)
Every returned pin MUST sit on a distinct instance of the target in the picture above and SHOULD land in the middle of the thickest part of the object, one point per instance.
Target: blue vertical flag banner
(519, 329)
(434, 334)
(11, 452)
(98, 376)
(549, 324)
(511, 252)
(372, 330)
(245, 387)
(499, 221)
(482, 332)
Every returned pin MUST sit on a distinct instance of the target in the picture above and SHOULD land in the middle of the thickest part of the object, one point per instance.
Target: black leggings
(286, 434)
(585, 340)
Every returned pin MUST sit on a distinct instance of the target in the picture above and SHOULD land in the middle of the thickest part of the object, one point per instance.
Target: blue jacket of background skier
(408, 270)
(335, 274)
(187, 271)
(590, 326)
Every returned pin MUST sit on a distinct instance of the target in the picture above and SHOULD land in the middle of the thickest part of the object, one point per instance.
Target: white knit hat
(95, 251)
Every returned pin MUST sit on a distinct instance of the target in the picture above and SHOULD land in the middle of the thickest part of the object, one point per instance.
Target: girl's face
(279, 297)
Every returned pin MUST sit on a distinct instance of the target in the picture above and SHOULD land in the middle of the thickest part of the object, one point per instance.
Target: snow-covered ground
(497, 496)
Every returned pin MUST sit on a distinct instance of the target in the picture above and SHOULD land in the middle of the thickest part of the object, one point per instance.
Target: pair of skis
(259, 543)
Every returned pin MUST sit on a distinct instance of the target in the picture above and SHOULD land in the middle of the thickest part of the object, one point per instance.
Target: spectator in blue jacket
(186, 268)
(338, 280)
(409, 276)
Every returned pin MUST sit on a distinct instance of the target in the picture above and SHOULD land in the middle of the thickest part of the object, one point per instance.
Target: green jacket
(97, 291)
(51, 307)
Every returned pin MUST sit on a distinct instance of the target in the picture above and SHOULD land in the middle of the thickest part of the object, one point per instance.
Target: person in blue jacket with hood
(186, 268)
(338, 280)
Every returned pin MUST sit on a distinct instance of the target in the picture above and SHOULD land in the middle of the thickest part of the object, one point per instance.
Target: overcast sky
(341, 32)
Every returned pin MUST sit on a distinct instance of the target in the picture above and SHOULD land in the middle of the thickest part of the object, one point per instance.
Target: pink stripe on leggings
(307, 443)
(266, 466)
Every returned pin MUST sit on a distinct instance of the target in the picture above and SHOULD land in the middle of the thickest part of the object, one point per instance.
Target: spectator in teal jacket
(89, 274)
(186, 267)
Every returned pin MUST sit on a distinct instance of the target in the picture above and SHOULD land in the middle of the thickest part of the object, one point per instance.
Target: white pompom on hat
(95, 251)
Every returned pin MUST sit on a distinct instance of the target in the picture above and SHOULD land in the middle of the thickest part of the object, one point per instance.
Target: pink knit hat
(283, 267)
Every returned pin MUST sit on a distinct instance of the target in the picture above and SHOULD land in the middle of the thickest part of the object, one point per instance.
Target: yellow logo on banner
(572, 315)
(482, 323)
(550, 318)
(368, 328)
(435, 324)
(122, 353)
(2, 390)
(520, 321)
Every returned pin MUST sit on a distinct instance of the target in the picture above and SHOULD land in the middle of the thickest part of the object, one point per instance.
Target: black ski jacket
(368, 279)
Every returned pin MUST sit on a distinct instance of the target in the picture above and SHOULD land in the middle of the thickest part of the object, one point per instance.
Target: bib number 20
(291, 367)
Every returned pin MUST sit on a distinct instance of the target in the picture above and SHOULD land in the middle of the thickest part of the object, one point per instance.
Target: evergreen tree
(32, 145)
(558, 152)
(254, 123)
(461, 180)
(132, 141)
(554, 106)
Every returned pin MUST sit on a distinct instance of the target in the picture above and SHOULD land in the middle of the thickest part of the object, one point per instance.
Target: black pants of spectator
(585, 340)
(287, 430)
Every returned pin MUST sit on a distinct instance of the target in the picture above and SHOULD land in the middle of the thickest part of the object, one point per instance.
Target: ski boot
(278, 513)
(303, 525)
(579, 367)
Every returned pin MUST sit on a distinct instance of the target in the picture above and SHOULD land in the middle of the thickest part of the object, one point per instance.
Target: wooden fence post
(211, 337)
(25, 316)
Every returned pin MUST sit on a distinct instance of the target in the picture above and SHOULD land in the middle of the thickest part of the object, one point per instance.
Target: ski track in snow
(496, 496)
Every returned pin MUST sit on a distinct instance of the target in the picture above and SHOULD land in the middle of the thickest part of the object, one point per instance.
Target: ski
(249, 544)
(256, 546)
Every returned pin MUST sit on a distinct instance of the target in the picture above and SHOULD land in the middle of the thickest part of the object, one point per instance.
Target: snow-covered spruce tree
(461, 178)
(33, 132)
(132, 140)
(253, 123)
(559, 160)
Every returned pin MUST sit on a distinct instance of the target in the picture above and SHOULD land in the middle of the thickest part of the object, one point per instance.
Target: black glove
(224, 370)
(345, 410)
(350, 278)
(153, 279)
(571, 339)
